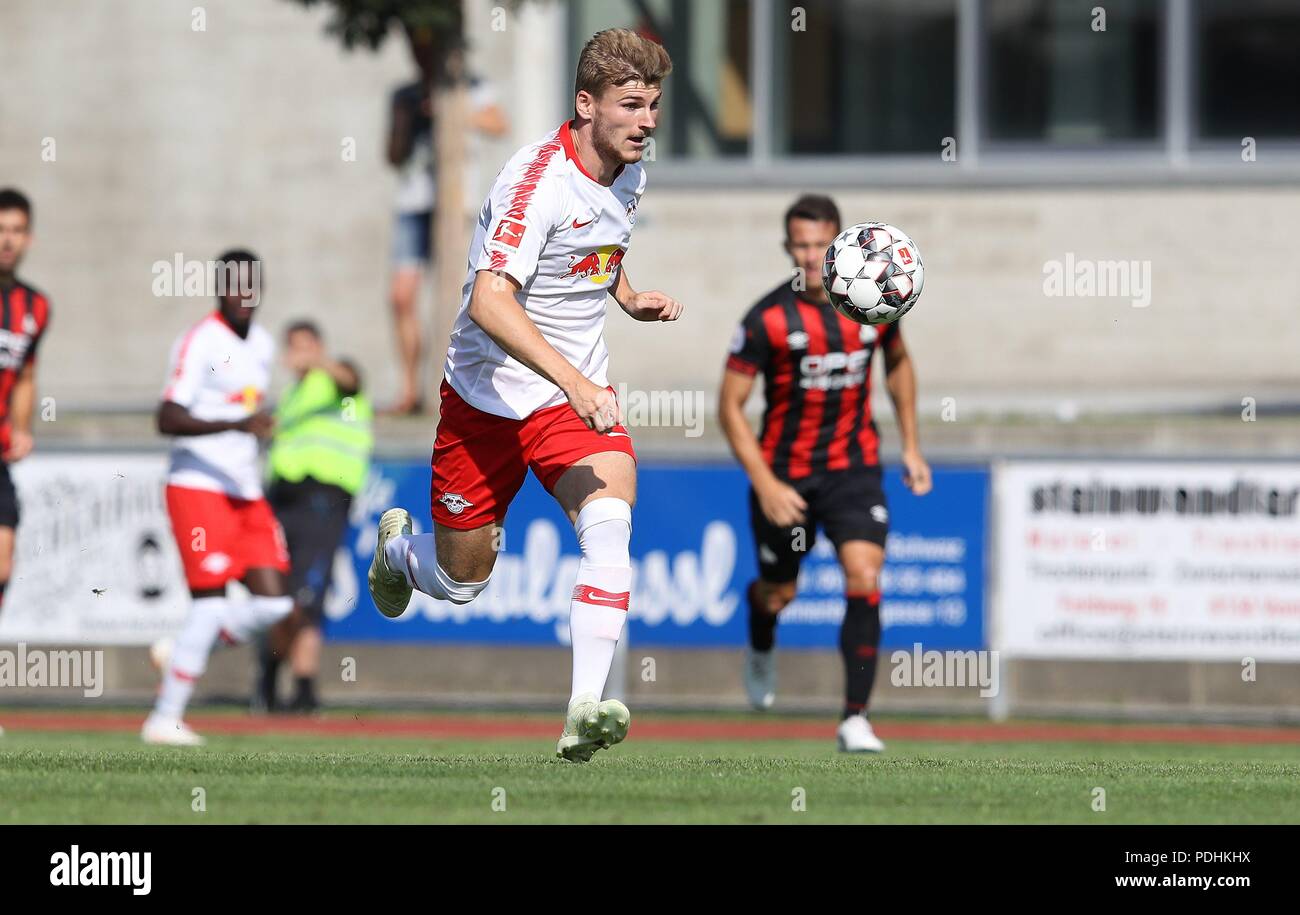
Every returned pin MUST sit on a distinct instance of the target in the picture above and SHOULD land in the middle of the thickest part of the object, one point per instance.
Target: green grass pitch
(50, 777)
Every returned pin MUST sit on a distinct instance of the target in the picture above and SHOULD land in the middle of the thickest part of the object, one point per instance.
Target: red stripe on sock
(181, 675)
(227, 637)
(868, 596)
(592, 595)
(866, 651)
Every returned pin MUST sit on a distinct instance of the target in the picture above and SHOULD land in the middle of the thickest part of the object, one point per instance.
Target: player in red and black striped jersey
(816, 461)
(24, 314)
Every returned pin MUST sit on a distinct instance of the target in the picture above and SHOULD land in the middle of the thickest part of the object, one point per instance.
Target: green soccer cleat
(388, 587)
(592, 726)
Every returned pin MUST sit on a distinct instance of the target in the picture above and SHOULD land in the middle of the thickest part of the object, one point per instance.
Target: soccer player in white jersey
(525, 378)
(224, 528)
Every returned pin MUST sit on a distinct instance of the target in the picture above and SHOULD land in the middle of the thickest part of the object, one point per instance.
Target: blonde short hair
(617, 56)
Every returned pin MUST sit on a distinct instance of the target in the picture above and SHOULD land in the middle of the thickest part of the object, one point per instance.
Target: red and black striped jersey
(24, 314)
(816, 367)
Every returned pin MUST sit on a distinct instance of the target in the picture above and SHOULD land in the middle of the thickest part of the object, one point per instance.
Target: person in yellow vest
(319, 459)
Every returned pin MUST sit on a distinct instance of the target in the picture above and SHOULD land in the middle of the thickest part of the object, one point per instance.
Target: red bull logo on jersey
(248, 395)
(598, 266)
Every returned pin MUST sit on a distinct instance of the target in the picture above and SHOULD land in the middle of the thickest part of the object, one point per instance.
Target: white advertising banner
(1148, 560)
(94, 560)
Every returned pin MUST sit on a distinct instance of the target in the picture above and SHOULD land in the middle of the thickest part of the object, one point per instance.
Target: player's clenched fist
(261, 424)
(655, 306)
(916, 473)
(781, 503)
(597, 407)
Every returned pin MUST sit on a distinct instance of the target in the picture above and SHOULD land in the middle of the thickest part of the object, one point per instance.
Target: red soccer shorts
(480, 459)
(220, 537)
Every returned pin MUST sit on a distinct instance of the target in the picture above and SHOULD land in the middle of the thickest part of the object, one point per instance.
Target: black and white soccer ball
(873, 273)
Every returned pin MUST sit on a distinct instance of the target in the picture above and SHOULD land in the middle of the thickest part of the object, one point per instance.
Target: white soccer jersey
(561, 235)
(219, 376)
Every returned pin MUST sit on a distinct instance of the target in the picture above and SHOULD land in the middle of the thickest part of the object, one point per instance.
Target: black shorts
(315, 518)
(846, 504)
(8, 498)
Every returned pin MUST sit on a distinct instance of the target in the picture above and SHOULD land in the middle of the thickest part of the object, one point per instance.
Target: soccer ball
(873, 273)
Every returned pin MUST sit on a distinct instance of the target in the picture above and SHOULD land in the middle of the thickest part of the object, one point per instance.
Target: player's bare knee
(775, 596)
(463, 577)
(861, 579)
(467, 557)
(468, 568)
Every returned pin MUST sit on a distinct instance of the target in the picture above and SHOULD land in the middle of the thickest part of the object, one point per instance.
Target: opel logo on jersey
(797, 340)
(455, 502)
(868, 334)
(597, 266)
(13, 349)
(832, 371)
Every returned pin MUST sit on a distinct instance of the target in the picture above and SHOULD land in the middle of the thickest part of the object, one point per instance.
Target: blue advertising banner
(693, 558)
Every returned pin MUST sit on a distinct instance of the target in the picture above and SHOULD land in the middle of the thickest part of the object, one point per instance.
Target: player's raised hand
(655, 306)
(781, 504)
(916, 473)
(597, 407)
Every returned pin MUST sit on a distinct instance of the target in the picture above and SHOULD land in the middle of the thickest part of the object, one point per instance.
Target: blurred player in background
(411, 153)
(224, 528)
(816, 461)
(24, 315)
(319, 459)
(525, 378)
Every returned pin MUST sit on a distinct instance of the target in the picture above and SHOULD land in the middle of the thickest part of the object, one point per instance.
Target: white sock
(397, 549)
(189, 656)
(245, 618)
(416, 557)
(267, 611)
(600, 596)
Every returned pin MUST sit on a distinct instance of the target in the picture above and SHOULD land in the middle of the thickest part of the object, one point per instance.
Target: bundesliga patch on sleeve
(509, 233)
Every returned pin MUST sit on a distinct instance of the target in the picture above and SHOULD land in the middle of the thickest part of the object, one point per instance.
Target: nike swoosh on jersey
(579, 225)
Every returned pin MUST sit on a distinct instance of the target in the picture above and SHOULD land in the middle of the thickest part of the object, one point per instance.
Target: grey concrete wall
(983, 326)
(481, 676)
(170, 140)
